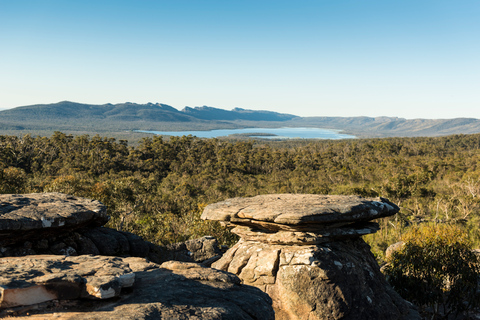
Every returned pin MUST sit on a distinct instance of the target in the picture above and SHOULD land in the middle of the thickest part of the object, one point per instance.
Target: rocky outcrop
(52, 287)
(35, 279)
(42, 214)
(305, 251)
(56, 223)
(93, 276)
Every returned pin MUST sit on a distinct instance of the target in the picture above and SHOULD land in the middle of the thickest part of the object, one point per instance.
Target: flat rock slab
(34, 279)
(172, 290)
(28, 215)
(299, 209)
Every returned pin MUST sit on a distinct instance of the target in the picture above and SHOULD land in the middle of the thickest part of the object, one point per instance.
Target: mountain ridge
(67, 115)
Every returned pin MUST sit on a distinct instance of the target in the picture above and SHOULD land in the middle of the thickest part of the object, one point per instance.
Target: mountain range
(73, 116)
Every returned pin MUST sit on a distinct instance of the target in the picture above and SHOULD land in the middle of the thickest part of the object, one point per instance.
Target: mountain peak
(211, 113)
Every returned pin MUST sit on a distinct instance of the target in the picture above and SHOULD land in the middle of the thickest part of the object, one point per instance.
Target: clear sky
(405, 58)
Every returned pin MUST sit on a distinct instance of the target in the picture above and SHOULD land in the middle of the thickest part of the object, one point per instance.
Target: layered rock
(56, 223)
(305, 251)
(91, 275)
(52, 285)
(35, 279)
(41, 214)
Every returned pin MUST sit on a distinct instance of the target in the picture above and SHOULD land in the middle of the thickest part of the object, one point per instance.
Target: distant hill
(71, 116)
(393, 126)
(209, 113)
(128, 111)
(67, 110)
(68, 115)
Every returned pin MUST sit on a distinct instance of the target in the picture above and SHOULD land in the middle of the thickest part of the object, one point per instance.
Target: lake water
(264, 133)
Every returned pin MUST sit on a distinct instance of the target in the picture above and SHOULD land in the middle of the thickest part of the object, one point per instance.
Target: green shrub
(437, 270)
(12, 180)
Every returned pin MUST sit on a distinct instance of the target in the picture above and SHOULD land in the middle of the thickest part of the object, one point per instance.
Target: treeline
(159, 188)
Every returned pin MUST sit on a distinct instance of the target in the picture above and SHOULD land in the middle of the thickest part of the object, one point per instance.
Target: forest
(158, 188)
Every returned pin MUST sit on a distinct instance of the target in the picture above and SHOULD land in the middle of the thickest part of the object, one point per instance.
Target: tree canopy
(159, 188)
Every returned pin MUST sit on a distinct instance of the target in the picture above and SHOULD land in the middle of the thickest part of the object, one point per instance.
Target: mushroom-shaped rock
(306, 252)
(39, 214)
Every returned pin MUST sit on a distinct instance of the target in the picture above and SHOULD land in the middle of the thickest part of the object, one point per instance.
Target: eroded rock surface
(305, 251)
(55, 223)
(35, 279)
(40, 214)
(173, 290)
(304, 211)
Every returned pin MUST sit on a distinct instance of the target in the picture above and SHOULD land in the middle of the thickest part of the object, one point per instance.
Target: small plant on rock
(437, 270)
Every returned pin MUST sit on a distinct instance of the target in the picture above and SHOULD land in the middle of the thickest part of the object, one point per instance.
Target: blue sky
(411, 59)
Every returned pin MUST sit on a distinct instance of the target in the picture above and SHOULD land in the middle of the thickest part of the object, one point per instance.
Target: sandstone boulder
(40, 214)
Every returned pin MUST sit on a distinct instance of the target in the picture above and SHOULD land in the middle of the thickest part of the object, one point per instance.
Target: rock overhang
(299, 210)
(38, 214)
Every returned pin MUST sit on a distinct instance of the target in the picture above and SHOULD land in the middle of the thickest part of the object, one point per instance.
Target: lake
(263, 133)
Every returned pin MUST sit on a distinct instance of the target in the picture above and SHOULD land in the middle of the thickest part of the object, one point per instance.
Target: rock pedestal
(305, 251)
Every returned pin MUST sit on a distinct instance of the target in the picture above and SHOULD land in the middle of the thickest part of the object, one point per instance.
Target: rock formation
(35, 279)
(92, 275)
(38, 215)
(305, 251)
(56, 223)
(49, 287)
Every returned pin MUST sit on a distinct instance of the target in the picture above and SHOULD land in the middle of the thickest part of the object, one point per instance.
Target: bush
(437, 270)
(12, 180)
